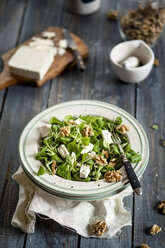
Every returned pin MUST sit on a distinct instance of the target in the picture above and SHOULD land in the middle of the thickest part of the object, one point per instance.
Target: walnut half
(155, 229)
(123, 128)
(113, 176)
(99, 227)
(64, 131)
(100, 160)
(87, 131)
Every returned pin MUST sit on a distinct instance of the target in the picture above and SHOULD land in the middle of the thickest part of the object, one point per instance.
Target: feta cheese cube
(63, 43)
(107, 136)
(87, 148)
(84, 171)
(79, 121)
(63, 151)
(48, 34)
(45, 130)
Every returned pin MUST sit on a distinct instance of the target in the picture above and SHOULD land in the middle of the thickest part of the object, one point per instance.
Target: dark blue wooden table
(19, 20)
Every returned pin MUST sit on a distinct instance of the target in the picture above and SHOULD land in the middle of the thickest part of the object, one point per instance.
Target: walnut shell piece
(99, 227)
(161, 207)
(155, 229)
(64, 131)
(113, 176)
(144, 246)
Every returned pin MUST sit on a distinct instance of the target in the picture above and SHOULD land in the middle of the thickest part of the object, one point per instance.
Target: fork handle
(134, 181)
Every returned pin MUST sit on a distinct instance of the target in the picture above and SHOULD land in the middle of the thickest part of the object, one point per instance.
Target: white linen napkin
(33, 200)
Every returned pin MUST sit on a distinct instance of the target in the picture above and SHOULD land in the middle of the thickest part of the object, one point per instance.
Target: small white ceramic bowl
(137, 48)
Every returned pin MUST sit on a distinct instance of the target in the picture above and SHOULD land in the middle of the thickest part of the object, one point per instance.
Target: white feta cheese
(45, 130)
(61, 51)
(63, 43)
(79, 121)
(39, 41)
(63, 151)
(31, 63)
(73, 154)
(92, 154)
(107, 136)
(87, 148)
(48, 34)
(84, 171)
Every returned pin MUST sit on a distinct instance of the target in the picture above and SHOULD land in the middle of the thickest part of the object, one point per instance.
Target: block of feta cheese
(48, 34)
(79, 121)
(45, 130)
(84, 171)
(107, 136)
(63, 151)
(87, 148)
(31, 63)
(63, 43)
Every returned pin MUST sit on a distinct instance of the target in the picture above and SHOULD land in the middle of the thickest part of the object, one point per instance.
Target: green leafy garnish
(155, 127)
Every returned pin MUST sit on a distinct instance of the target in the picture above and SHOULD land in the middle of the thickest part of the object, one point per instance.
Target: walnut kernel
(113, 162)
(144, 246)
(106, 153)
(161, 207)
(54, 167)
(155, 229)
(156, 62)
(113, 176)
(123, 128)
(64, 131)
(99, 227)
(100, 160)
(71, 122)
(112, 15)
(87, 131)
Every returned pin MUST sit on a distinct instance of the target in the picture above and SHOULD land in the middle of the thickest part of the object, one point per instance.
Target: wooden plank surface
(150, 110)
(19, 104)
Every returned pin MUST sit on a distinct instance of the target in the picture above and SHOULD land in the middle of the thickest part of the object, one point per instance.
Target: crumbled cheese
(61, 51)
(40, 41)
(79, 121)
(45, 130)
(107, 136)
(87, 148)
(48, 34)
(30, 62)
(84, 171)
(63, 43)
(92, 154)
(63, 151)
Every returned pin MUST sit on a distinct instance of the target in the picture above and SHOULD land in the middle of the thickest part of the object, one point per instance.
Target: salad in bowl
(81, 148)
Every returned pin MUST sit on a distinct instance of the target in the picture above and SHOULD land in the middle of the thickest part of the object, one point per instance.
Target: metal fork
(128, 167)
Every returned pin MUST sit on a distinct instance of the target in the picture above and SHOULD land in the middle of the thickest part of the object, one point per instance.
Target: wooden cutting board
(59, 64)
